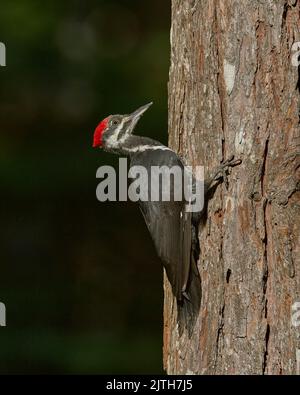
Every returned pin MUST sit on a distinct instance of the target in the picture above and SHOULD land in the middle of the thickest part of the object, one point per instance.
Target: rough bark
(233, 90)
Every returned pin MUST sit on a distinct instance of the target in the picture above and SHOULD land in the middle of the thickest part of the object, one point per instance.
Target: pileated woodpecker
(173, 230)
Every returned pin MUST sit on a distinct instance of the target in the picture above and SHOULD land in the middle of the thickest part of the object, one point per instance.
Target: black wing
(169, 224)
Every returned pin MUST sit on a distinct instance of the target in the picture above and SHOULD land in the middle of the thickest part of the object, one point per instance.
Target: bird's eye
(115, 122)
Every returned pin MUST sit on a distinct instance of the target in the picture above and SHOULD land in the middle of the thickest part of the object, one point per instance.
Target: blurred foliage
(80, 279)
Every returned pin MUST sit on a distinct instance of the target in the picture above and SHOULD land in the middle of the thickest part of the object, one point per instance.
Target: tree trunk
(234, 89)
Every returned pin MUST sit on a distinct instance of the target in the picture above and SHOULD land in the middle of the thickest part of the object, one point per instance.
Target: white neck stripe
(143, 148)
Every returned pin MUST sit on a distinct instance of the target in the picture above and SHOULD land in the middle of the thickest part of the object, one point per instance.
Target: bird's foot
(222, 170)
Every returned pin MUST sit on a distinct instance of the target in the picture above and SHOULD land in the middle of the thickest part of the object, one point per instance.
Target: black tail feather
(188, 308)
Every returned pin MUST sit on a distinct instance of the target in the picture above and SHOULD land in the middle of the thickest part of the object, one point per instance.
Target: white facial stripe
(119, 129)
(129, 130)
(113, 141)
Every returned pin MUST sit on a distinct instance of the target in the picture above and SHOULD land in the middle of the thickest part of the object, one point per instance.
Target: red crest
(99, 132)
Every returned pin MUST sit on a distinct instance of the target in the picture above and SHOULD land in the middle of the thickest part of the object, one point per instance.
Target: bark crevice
(232, 91)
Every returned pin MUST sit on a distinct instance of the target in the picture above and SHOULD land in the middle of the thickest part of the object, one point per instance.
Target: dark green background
(80, 279)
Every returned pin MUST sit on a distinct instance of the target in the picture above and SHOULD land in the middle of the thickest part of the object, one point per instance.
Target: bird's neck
(134, 144)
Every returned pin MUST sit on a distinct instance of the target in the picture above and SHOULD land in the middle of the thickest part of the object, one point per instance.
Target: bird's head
(112, 132)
